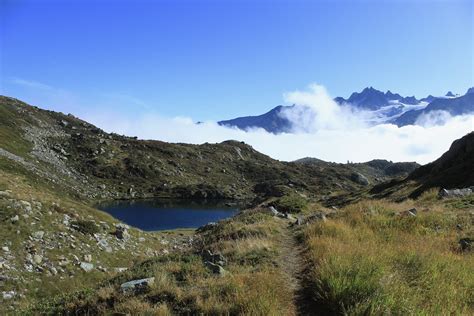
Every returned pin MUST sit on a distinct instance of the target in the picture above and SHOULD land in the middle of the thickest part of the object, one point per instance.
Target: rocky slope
(454, 169)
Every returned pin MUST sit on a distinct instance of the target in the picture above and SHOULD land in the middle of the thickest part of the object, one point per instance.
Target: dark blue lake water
(162, 214)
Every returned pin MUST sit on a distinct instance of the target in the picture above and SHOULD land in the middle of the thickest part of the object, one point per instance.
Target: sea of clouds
(322, 129)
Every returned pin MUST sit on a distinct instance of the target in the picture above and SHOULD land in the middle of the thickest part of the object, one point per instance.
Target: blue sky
(213, 60)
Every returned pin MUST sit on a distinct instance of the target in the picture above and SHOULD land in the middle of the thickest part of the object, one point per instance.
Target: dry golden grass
(375, 259)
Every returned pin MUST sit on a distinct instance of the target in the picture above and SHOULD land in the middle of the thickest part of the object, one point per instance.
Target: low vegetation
(291, 203)
(251, 284)
(378, 257)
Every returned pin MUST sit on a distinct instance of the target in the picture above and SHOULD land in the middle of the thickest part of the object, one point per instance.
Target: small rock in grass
(4, 194)
(8, 295)
(466, 244)
(137, 285)
(215, 268)
(38, 235)
(86, 266)
(37, 259)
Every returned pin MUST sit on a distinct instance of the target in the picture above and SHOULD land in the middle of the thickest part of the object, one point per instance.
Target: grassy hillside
(376, 258)
(97, 165)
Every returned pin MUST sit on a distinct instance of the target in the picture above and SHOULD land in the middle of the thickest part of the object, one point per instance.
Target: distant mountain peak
(386, 107)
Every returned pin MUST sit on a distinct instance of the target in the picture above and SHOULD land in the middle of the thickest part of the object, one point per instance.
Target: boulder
(37, 259)
(411, 212)
(86, 266)
(215, 268)
(136, 285)
(8, 295)
(26, 206)
(359, 178)
(38, 234)
(273, 211)
(216, 258)
(466, 244)
(4, 194)
(15, 219)
(445, 193)
(121, 232)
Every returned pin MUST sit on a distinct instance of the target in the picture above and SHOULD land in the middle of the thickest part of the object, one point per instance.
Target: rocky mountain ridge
(385, 107)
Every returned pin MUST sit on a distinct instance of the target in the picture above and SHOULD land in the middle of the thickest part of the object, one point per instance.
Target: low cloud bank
(324, 130)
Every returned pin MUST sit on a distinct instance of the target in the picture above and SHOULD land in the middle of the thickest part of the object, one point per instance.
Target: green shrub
(85, 227)
(292, 203)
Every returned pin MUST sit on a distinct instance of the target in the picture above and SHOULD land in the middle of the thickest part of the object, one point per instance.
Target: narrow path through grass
(295, 268)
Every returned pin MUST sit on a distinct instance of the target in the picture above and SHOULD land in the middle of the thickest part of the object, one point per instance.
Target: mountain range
(379, 108)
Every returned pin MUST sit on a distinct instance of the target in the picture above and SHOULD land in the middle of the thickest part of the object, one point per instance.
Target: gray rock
(15, 219)
(466, 244)
(273, 211)
(37, 259)
(38, 234)
(412, 212)
(136, 285)
(5, 194)
(299, 221)
(289, 216)
(8, 295)
(445, 193)
(104, 244)
(86, 266)
(215, 268)
(66, 219)
(216, 258)
(5, 249)
(88, 258)
(359, 178)
(121, 232)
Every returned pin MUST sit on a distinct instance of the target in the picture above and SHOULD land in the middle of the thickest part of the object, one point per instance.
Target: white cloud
(326, 130)
(433, 118)
(409, 143)
(315, 110)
